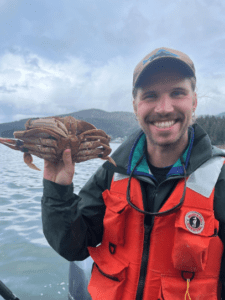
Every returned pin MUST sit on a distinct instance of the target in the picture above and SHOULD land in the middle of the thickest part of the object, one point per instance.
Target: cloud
(211, 94)
(32, 85)
(101, 30)
(81, 54)
(131, 31)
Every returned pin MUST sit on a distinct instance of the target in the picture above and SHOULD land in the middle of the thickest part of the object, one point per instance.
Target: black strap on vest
(163, 213)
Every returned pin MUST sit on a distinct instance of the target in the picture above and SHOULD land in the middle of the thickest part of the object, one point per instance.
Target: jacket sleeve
(219, 208)
(72, 222)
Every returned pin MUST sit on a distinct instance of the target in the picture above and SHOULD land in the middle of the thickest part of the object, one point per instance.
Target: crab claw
(14, 144)
(28, 160)
(110, 160)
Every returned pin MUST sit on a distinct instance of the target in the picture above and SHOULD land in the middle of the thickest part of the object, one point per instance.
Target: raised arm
(72, 222)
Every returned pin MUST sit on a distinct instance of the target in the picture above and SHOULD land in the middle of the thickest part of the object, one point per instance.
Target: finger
(67, 159)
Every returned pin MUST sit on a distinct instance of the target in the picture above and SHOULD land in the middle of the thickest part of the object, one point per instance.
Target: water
(28, 265)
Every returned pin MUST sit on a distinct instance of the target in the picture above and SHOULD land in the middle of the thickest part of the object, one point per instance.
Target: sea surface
(30, 268)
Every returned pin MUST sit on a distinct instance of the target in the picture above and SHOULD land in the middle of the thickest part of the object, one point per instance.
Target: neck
(164, 156)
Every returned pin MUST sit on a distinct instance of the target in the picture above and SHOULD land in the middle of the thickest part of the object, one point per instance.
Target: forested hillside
(215, 127)
(121, 124)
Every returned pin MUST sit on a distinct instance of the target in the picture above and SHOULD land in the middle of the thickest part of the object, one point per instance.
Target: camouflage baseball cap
(160, 58)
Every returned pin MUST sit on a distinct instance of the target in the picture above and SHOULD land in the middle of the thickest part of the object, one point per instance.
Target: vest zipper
(144, 260)
(148, 225)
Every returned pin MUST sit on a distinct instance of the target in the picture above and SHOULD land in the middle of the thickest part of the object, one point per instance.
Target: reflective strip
(204, 179)
(70, 297)
(118, 176)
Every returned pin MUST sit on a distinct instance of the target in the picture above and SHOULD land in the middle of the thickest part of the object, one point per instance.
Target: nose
(164, 104)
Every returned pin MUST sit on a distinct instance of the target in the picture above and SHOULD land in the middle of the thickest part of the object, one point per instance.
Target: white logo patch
(194, 222)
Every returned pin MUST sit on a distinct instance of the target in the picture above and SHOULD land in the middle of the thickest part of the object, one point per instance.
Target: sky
(58, 57)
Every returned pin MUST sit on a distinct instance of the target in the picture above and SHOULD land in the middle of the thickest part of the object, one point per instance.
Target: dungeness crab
(48, 137)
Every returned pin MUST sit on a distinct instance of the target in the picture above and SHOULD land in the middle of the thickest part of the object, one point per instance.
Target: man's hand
(61, 172)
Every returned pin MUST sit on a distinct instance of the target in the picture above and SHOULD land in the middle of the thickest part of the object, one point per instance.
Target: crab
(48, 137)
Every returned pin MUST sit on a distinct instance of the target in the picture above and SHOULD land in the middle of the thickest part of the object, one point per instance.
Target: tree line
(121, 124)
(215, 127)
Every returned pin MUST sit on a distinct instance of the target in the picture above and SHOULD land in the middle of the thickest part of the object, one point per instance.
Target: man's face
(164, 107)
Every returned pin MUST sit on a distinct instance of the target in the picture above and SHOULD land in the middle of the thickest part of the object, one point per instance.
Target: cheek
(140, 112)
(185, 107)
(143, 108)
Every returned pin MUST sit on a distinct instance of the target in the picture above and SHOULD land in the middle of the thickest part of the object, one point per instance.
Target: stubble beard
(183, 135)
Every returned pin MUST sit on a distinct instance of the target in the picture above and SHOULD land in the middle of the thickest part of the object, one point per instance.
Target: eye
(177, 93)
(150, 96)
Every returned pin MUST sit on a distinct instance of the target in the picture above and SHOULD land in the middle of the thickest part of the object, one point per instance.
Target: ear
(135, 106)
(195, 101)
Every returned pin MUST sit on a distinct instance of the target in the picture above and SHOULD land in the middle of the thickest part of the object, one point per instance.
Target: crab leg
(29, 161)
(95, 138)
(92, 145)
(95, 132)
(14, 144)
(81, 158)
(40, 141)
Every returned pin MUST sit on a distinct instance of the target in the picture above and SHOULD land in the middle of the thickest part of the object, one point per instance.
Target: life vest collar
(203, 180)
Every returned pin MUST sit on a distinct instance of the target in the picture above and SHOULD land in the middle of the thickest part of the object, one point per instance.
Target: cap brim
(161, 64)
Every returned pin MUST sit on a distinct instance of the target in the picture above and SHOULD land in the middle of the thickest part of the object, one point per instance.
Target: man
(154, 225)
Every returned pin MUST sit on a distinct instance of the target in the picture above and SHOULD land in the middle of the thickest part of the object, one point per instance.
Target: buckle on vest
(189, 275)
(112, 248)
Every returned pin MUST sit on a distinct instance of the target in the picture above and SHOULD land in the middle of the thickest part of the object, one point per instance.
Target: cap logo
(160, 53)
(194, 222)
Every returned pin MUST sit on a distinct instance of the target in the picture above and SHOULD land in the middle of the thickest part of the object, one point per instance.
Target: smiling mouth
(164, 124)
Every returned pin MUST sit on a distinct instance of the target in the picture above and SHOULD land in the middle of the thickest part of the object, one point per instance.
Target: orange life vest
(182, 244)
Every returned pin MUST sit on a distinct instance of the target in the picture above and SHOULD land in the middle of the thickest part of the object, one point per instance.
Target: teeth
(164, 124)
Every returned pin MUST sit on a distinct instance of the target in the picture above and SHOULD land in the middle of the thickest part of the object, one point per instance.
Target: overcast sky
(59, 56)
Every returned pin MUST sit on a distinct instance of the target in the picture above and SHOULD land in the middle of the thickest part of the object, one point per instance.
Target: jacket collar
(143, 169)
(201, 151)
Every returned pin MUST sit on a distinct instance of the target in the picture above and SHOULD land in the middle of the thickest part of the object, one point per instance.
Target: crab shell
(47, 138)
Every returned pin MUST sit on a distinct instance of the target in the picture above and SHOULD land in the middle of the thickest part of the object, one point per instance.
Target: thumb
(67, 159)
